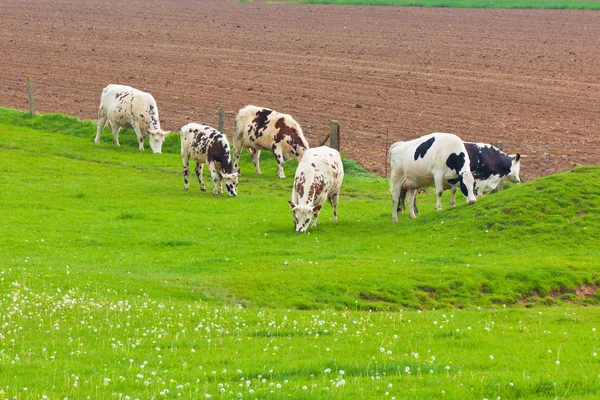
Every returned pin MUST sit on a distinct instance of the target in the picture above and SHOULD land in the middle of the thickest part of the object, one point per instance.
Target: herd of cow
(439, 159)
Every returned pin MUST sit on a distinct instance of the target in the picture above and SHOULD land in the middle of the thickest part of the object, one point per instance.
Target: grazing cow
(318, 177)
(259, 129)
(432, 159)
(489, 166)
(126, 107)
(206, 144)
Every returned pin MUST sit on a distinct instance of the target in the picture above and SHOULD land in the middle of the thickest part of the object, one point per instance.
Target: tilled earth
(527, 78)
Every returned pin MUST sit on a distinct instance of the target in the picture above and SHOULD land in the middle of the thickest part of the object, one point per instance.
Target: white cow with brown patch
(125, 107)
(258, 128)
(318, 177)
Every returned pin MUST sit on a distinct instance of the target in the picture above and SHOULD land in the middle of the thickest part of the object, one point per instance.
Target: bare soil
(527, 78)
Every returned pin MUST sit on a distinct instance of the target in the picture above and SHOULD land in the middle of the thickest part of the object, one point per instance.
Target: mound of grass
(72, 126)
(535, 4)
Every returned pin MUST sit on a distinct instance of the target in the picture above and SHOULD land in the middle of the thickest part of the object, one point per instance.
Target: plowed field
(527, 78)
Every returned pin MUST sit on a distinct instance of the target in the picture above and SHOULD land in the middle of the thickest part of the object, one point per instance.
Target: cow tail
(237, 135)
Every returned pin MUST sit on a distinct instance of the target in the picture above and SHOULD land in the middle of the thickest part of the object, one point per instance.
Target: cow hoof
(203, 189)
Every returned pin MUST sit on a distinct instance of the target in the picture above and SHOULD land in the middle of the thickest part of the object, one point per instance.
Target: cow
(125, 107)
(489, 166)
(318, 177)
(259, 129)
(206, 144)
(430, 160)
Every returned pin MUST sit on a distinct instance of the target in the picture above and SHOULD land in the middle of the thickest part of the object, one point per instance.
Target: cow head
(303, 215)
(467, 186)
(515, 170)
(231, 183)
(156, 140)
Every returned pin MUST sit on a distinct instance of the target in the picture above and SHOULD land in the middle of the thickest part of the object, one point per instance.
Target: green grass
(534, 4)
(115, 280)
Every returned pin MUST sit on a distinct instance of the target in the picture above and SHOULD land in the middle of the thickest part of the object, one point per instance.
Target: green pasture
(534, 4)
(115, 282)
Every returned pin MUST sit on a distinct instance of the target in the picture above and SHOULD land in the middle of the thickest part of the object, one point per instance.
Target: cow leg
(439, 190)
(115, 132)
(412, 198)
(101, 123)
(333, 200)
(220, 179)
(414, 205)
(395, 189)
(452, 194)
(315, 218)
(186, 170)
(255, 159)
(280, 161)
(140, 137)
(215, 177)
(199, 168)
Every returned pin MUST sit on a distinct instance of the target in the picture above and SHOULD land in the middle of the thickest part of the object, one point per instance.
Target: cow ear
(317, 208)
(517, 157)
(292, 205)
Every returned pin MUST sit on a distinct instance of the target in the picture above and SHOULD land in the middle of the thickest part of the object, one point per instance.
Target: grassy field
(115, 282)
(536, 4)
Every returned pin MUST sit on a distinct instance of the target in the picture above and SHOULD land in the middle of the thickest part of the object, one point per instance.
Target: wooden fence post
(221, 118)
(334, 134)
(500, 186)
(30, 95)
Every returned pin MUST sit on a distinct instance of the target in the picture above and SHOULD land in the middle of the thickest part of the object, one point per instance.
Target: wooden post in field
(221, 118)
(500, 186)
(30, 95)
(334, 134)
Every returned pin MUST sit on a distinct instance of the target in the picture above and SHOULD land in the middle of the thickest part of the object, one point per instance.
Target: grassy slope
(534, 4)
(113, 277)
(125, 215)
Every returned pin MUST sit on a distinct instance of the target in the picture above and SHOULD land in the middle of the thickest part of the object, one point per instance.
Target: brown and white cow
(318, 177)
(258, 128)
(206, 144)
(436, 158)
(125, 107)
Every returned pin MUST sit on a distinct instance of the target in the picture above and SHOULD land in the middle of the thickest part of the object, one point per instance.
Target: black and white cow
(489, 166)
(318, 177)
(206, 144)
(125, 107)
(258, 128)
(433, 159)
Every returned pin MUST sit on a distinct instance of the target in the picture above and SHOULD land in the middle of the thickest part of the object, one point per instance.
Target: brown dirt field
(528, 78)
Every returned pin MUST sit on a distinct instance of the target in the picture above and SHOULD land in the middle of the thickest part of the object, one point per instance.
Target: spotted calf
(259, 129)
(318, 177)
(126, 107)
(437, 158)
(207, 145)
